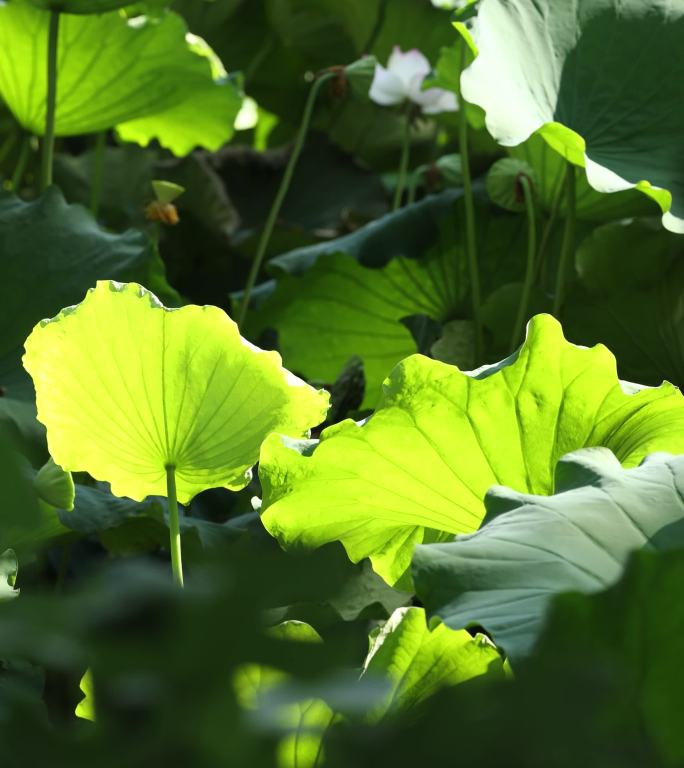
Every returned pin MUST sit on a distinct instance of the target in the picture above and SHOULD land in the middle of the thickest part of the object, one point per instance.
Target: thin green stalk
(22, 160)
(98, 165)
(471, 243)
(282, 192)
(49, 138)
(403, 163)
(546, 235)
(568, 246)
(174, 526)
(529, 268)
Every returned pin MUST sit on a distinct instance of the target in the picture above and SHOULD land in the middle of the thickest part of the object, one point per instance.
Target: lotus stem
(523, 308)
(282, 192)
(546, 235)
(49, 137)
(98, 167)
(568, 239)
(174, 526)
(403, 163)
(471, 242)
(22, 160)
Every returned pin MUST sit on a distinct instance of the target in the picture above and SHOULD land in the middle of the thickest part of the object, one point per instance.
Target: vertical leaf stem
(523, 308)
(546, 235)
(568, 246)
(49, 137)
(174, 526)
(471, 243)
(403, 163)
(97, 171)
(282, 192)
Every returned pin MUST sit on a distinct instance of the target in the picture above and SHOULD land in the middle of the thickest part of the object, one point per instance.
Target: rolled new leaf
(127, 388)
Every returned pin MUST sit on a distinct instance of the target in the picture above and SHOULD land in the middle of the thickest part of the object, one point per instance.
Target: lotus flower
(402, 81)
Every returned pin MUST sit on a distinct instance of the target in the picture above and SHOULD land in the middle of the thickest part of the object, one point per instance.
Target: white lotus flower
(403, 79)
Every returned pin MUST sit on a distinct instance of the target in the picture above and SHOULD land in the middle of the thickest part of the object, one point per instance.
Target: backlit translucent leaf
(600, 78)
(503, 577)
(418, 469)
(419, 661)
(127, 387)
(85, 708)
(141, 75)
(306, 720)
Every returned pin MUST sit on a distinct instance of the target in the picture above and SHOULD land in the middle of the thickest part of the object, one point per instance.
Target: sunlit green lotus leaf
(85, 708)
(306, 721)
(145, 76)
(418, 469)
(418, 661)
(127, 387)
(600, 80)
(503, 577)
(410, 661)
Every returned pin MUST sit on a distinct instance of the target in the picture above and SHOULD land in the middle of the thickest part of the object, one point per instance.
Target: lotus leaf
(127, 388)
(418, 469)
(599, 79)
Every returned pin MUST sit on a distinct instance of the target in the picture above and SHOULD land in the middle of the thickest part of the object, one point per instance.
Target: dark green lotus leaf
(274, 42)
(629, 296)
(627, 639)
(603, 688)
(532, 547)
(28, 518)
(599, 79)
